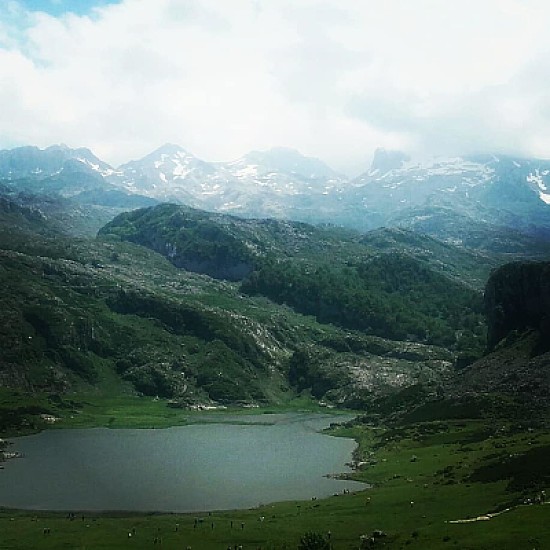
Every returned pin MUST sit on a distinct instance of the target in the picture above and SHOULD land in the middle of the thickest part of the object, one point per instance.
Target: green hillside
(146, 309)
(108, 332)
(107, 317)
(366, 283)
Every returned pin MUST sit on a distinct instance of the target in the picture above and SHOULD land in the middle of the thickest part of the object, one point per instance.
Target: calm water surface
(192, 468)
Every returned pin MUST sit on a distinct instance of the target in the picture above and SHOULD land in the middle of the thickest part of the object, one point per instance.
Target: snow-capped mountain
(261, 183)
(451, 198)
(285, 171)
(170, 173)
(56, 170)
(32, 162)
(64, 173)
(497, 190)
(404, 181)
(279, 183)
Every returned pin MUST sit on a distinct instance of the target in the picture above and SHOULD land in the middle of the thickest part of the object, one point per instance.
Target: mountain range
(417, 299)
(469, 200)
(106, 290)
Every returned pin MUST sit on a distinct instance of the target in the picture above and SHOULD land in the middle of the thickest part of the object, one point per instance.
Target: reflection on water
(264, 458)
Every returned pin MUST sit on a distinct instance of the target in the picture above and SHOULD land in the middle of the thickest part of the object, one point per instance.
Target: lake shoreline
(415, 508)
(269, 458)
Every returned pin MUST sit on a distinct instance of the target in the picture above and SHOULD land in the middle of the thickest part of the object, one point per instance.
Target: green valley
(170, 311)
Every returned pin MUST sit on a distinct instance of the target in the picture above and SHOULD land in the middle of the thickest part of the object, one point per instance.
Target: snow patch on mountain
(101, 168)
(537, 179)
(284, 184)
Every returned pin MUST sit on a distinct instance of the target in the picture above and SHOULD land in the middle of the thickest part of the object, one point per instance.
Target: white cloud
(335, 79)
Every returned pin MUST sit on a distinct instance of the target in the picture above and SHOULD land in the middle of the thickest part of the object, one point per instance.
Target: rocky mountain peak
(169, 149)
(385, 160)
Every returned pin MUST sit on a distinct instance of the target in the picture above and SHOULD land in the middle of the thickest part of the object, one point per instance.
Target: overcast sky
(332, 78)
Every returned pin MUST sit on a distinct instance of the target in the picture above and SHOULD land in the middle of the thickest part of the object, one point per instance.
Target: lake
(209, 466)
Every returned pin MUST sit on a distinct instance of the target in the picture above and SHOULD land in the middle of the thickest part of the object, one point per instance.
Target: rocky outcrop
(518, 369)
(384, 161)
(517, 365)
(517, 298)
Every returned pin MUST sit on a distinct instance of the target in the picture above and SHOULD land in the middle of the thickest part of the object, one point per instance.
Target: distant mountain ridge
(38, 163)
(454, 199)
(278, 183)
(497, 191)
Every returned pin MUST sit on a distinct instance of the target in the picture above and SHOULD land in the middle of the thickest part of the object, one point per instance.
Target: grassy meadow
(434, 485)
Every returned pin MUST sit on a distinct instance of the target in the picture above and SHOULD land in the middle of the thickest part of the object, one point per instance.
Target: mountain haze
(459, 200)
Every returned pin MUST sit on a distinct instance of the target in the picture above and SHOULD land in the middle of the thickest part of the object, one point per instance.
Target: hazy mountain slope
(17, 216)
(485, 202)
(483, 191)
(82, 216)
(68, 186)
(448, 224)
(35, 163)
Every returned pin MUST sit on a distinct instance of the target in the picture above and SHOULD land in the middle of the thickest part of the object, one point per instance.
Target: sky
(335, 79)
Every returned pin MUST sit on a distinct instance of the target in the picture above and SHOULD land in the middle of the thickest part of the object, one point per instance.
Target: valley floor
(468, 484)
